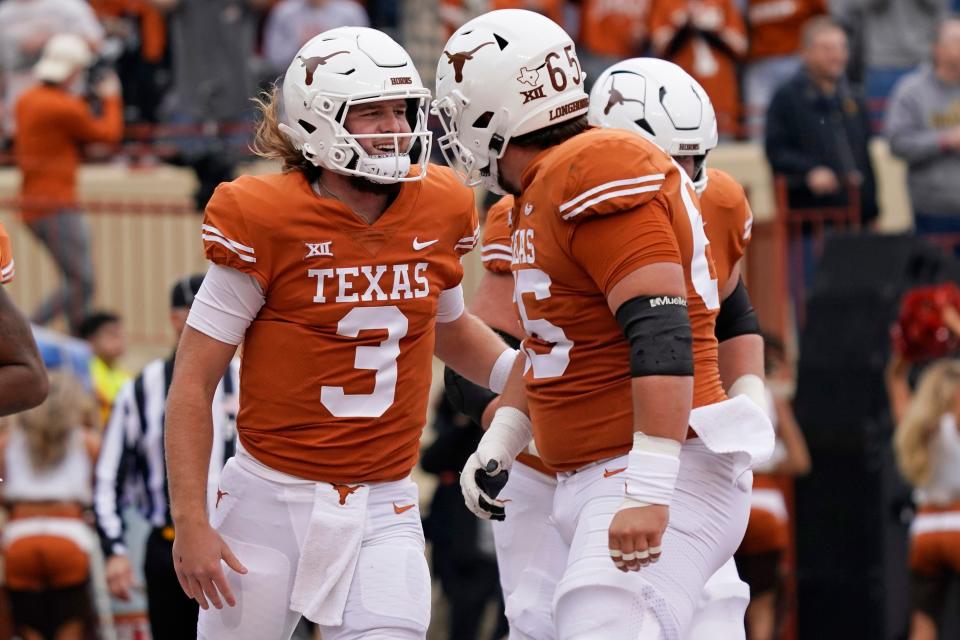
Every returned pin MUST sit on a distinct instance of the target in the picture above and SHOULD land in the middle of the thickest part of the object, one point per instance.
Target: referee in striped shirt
(131, 463)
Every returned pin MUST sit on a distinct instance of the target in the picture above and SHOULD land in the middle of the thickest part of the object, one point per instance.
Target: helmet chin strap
(384, 169)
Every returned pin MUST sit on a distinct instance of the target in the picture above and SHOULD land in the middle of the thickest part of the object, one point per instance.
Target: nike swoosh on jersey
(406, 507)
(417, 245)
(612, 472)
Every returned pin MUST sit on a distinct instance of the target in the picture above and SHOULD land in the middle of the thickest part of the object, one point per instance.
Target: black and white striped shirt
(131, 469)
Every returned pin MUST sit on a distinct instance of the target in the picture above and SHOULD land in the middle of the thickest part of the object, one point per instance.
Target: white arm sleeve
(450, 304)
(226, 304)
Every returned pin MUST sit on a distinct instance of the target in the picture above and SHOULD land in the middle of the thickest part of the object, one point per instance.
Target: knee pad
(390, 597)
(529, 609)
(599, 612)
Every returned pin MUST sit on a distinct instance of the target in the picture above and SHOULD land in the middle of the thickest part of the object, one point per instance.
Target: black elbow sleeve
(466, 397)
(737, 316)
(658, 330)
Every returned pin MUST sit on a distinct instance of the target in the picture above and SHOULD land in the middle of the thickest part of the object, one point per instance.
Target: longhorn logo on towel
(220, 495)
(345, 490)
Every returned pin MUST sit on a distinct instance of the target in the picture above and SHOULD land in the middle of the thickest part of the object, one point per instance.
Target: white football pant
(264, 515)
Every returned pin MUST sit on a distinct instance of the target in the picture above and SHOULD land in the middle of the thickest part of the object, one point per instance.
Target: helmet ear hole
(306, 126)
(483, 120)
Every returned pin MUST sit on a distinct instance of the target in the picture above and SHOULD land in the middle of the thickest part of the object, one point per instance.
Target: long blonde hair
(271, 143)
(48, 427)
(936, 395)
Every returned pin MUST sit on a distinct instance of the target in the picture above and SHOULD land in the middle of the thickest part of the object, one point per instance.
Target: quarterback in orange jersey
(23, 379)
(608, 254)
(663, 103)
(341, 278)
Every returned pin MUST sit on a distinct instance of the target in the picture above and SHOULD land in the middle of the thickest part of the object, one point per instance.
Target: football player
(608, 252)
(663, 103)
(23, 378)
(340, 277)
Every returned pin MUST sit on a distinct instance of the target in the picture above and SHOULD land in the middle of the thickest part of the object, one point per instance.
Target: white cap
(63, 54)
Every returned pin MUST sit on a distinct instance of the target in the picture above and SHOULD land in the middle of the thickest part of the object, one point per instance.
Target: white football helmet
(337, 70)
(501, 75)
(662, 102)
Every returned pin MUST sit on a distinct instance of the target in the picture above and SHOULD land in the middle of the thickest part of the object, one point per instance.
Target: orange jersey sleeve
(495, 248)
(6, 257)
(727, 220)
(226, 239)
(612, 247)
(336, 369)
(581, 224)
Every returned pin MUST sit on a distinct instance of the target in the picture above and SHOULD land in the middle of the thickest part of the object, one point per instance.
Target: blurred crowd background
(841, 118)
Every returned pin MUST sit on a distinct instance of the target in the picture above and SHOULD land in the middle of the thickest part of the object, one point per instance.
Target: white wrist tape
(752, 386)
(501, 370)
(652, 470)
(509, 434)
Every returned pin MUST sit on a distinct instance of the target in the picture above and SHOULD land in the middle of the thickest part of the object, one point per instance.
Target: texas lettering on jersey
(336, 367)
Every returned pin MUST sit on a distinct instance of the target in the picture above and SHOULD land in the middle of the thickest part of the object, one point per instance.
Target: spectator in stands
(292, 22)
(47, 463)
(762, 551)
(773, 30)
(53, 124)
(103, 331)
(896, 38)
(212, 49)
(923, 126)
(610, 32)
(927, 444)
(132, 456)
(817, 128)
(707, 38)
(23, 378)
(136, 43)
(25, 27)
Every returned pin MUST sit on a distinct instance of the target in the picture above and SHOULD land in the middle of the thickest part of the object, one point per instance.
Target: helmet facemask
(344, 69)
(473, 166)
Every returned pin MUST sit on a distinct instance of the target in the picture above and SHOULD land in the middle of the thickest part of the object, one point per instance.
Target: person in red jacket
(53, 123)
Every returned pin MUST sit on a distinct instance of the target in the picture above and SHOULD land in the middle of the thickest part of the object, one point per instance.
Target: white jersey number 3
(381, 358)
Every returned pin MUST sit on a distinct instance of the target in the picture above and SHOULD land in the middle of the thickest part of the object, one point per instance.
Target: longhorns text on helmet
(501, 75)
(660, 101)
(343, 68)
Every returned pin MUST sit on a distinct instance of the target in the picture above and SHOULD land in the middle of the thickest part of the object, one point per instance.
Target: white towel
(329, 554)
(735, 426)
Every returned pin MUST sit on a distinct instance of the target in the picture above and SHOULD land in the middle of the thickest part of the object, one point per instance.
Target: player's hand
(636, 535)
(481, 483)
(119, 576)
(197, 552)
(822, 181)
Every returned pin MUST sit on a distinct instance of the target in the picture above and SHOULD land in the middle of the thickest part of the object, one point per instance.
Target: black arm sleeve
(737, 316)
(466, 397)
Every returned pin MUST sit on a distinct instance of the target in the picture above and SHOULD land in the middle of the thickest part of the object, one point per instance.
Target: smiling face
(384, 116)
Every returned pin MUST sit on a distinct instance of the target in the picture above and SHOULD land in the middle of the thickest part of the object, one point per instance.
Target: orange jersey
(727, 221)
(713, 67)
(51, 127)
(336, 367)
(616, 28)
(6, 257)
(593, 210)
(768, 529)
(775, 25)
(495, 251)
